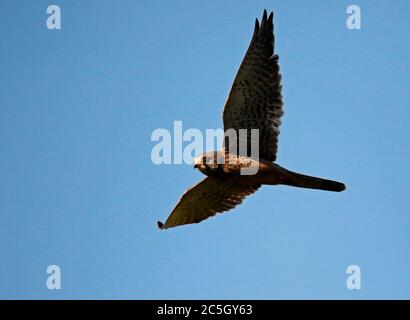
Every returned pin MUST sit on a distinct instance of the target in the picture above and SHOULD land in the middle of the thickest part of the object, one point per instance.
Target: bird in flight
(254, 102)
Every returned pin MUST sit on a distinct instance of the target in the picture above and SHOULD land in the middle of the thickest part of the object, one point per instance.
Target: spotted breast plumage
(254, 102)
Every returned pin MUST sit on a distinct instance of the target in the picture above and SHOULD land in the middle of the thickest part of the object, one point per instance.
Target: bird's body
(254, 102)
(225, 166)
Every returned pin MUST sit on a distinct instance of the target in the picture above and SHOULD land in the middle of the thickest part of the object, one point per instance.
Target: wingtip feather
(270, 18)
(256, 26)
(265, 15)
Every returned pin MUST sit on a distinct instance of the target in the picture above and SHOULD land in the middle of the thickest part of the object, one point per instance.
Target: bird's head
(209, 162)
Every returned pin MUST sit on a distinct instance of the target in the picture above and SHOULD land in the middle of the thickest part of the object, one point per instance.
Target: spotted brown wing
(205, 199)
(255, 99)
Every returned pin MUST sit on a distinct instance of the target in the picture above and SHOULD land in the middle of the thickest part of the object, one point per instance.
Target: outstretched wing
(206, 199)
(255, 99)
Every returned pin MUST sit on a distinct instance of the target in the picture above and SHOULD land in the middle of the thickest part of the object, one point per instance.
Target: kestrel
(254, 102)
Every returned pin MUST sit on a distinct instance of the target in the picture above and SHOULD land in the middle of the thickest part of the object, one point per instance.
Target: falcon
(254, 102)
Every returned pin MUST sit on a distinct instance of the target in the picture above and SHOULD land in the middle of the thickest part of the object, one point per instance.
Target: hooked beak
(195, 166)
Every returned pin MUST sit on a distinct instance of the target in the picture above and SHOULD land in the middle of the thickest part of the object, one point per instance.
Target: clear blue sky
(78, 188)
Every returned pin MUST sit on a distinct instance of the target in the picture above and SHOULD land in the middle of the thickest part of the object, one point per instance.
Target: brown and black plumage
(254, 102)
